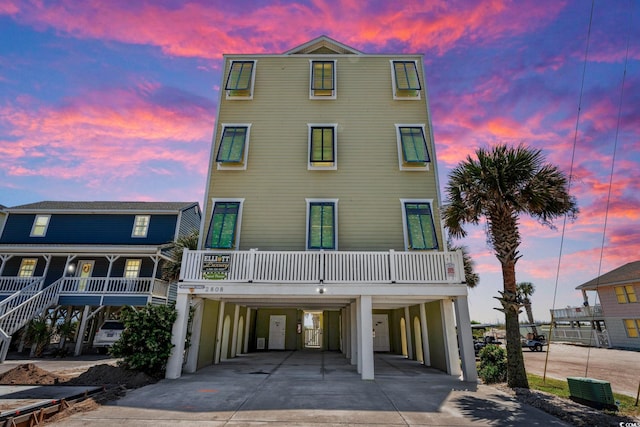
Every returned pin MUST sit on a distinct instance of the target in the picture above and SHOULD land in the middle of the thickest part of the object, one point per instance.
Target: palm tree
(171, 269)
(471, 278)
(500, 185)
(524, 291)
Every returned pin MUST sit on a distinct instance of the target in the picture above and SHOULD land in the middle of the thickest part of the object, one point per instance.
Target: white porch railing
(577, 313)
(329, 266)
(113, 285)
(11, 284)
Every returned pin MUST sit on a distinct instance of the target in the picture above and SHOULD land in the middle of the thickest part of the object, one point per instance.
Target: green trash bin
(591, 392)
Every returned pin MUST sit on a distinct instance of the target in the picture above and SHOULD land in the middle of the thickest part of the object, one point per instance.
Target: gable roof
(104, 206)
(625, 274)
(323, 44)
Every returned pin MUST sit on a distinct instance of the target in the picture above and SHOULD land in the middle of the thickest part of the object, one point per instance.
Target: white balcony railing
(113, 285)
(577, 313)
(328, 266)
(11, 284)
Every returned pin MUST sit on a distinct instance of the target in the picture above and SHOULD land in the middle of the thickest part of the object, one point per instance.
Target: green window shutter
(239, 76)
(406, 75)
(322, 144)
(222, 232)
(322, 76)
(321, 225)
(231, 148)
(420, 226)
(414, 145)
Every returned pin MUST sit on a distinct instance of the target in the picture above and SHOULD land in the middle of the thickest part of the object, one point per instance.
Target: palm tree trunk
(516, 373)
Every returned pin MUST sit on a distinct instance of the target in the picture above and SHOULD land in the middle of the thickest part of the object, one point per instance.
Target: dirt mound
(29, 374)
(112, 375)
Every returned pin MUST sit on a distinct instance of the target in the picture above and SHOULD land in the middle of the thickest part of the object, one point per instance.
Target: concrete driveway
(312, 388)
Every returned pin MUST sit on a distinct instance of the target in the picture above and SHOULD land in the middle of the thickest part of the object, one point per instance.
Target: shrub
(145, 344)
(493, 364)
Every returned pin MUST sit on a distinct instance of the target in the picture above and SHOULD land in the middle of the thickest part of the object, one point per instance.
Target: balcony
(256, 266)
(577, 313)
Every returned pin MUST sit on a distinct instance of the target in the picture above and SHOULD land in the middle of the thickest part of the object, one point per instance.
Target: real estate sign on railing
(215, 266)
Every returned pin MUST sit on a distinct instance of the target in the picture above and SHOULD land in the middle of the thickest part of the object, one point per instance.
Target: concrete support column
(426, 352)
(218, 349)
(196, 330)
(346, 339)
(353, 328)
(409, 335)
(178, 335)
(83, 326)
(247, 323)
(465, 339)
(365, 337)
(234, 331)
(449, 333)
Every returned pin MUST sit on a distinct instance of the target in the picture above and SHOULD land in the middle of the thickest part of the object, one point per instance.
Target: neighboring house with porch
(616, 320)
(322, 221)
(90, 258)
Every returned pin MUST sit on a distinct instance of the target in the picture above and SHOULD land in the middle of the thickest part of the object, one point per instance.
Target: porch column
(365, 337)
(409, 335)
(465, 340)
(216, 357)
(426, 355)
(178, 335)
(234, 332)
(449, 333)
(83, 326)
(353, 333)
(247, 323)
(196, 330)
(346, 340)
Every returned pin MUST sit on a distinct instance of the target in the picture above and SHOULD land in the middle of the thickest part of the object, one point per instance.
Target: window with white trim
(40, 225)
(224, 229)
(141, 226)
(27, 267)
(132, 268)
(323, 80)
(323, 146)
(405, 80)
(240, 80)
(412, 147)
(418, 224)
(233, 149)
(322, 224)
(632, 327)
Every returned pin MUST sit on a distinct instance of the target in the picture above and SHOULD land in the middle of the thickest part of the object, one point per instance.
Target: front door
(277, 328)
(85, 269)
(380, 332)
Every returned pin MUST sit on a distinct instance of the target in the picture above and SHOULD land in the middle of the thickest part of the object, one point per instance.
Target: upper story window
(234, 146)
(322, 146)
(323, 80)
(322, 220)
(633, 327)
(418, 224)
(405, 80)
(140, 226)
(224, 230)
(132, 268)
(240, 80)
(40, 225)
(27, 267)
(625, 294)
(412, 147)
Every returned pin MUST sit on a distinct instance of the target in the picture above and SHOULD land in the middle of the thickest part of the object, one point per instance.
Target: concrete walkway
(313, 388)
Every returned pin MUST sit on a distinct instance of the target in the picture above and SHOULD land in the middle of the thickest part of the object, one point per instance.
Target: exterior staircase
(18, 309)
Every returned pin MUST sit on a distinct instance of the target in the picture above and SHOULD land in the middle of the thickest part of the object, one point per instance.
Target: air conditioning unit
(260, 344)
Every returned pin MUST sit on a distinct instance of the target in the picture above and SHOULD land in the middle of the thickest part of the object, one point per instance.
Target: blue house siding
(97, 300)
(79, 300)
(190, 221)
(105, 229)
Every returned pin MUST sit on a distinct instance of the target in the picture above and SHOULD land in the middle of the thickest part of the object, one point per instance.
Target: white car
(107, 334)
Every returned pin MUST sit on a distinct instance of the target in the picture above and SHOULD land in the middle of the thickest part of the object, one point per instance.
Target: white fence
(577, 313)
(325, 266)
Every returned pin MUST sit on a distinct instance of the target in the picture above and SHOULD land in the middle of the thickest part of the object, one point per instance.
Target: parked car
(107, 334)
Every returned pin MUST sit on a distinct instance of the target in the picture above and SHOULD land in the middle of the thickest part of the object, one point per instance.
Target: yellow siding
(368, 182)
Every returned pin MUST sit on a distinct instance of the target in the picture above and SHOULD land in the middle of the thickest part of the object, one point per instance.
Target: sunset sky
(117, 100)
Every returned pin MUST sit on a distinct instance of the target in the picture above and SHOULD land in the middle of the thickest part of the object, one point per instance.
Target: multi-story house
(322, 221)
(89, 258)
(615, 321)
